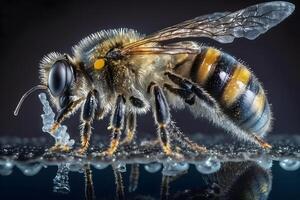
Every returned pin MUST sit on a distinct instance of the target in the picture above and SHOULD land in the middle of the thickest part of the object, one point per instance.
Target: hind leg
(186, 91)
(162, 118)
(188, 88)
(259, 141)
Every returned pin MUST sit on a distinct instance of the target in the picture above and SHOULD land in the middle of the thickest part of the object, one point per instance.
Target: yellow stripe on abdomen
(236, 85)
(259, 102)
(208, 64)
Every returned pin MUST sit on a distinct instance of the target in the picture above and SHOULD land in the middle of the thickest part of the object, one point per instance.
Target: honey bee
(124, 73)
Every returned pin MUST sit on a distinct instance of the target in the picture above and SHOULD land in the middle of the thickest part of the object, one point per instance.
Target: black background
(30, 29)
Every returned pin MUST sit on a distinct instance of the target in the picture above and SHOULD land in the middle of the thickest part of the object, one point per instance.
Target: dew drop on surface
(30, 169)
(172, 169)
(121, 167)
(289, 165)
(208, 166)
(264, 162)
(152, 167)
(6, 168)
(76, 167)
(61, 180)
(100, 165)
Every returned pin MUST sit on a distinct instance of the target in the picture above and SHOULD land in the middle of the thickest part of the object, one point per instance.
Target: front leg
(62, 115)
(87, 115)
(64, 112)
(116, 125)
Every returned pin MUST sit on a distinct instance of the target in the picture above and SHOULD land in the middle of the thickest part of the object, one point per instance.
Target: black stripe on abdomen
(218, 80)
(251, 110)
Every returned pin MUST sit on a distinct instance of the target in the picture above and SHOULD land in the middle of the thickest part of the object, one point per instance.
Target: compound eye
(60, 77)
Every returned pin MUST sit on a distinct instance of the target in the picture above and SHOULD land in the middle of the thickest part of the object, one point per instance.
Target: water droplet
(152, 167)
(61, 180)
(172, 169)
(30, 155)
(289, 165)
(265, 162)
(71, 142)
(76, 167)
(100, 165)
(61, 136)
(30, 169)
(6, 167)
(121, 167)
(209, 166)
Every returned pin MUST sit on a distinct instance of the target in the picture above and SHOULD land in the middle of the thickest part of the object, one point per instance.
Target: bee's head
(57, 75)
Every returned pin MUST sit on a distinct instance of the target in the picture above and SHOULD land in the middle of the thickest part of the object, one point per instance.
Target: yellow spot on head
(99, 64)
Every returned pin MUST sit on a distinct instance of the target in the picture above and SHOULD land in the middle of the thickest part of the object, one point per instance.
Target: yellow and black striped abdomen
(237, 90)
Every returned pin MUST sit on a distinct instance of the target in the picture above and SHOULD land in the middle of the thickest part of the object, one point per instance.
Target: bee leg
(62, 115)
(120, 194)
(134, 177)
(189, 98)
(165, 184)
(136, 102)
(116, 125)
(64, 112)
(87, 115)
(89, 186)
(192, 87)
(258, 140)
(162, 118)
(130, 128)
(186, 95)
(99, 111)
(57, 148)
(164, 188)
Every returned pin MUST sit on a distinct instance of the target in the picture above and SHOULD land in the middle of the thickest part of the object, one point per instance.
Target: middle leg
(87, 115)
(130, 128)
(116, 125)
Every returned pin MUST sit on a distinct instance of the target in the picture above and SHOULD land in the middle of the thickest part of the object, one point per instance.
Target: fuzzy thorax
(99, 44)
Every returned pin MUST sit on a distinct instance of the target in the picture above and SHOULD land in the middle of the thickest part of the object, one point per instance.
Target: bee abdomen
(240, 95)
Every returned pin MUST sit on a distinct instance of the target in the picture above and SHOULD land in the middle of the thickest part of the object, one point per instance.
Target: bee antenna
(31, 90)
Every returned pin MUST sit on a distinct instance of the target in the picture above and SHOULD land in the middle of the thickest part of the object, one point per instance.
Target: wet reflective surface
(228, 171)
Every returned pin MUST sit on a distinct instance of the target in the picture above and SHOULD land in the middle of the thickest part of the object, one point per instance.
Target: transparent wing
(224, 27)
(164, 49)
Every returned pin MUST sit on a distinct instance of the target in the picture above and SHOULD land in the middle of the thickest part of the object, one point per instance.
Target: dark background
(30, 29)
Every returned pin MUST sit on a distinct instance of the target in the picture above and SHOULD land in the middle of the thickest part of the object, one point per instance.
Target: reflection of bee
(235, 180)
(125, 73)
